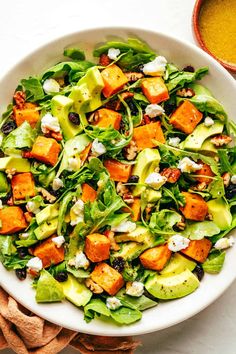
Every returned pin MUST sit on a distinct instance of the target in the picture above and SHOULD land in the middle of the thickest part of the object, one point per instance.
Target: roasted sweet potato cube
(12, 220)
(155, 258)
(145, 134)
(186, 117)
(198, 250)
(29, 113)
(23, 186)
(84, 154)
(46, 150)
(204, 171)
(108, 278)
(108, 117)
(49, 253)
(135, 209)
(97, 247)
(155, 89)
(195, 207)
(114, 79)
(119, 172)
(88, 193)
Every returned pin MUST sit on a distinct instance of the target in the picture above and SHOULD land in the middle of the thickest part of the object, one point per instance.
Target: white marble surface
(26, 24)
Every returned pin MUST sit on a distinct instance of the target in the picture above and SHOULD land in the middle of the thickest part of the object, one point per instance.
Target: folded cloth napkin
(26, 333)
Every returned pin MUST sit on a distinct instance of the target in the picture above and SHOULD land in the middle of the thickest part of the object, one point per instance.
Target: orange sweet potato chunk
(97, 247)
(195, 207)
(49, 253)
(204, 171)
(119, 172)
(155, 258)
(108, 278)
(84, 154)
(23, 186)
(198, 250)
(145, 134)
(88, 193)
(29, 113)
(186, 117)
(108, 117)
(135, 209)
(46, 150)
(155, 89)
(12, 220)
(114, 79)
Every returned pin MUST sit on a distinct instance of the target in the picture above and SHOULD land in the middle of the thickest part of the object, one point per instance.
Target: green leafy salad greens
(117, 181)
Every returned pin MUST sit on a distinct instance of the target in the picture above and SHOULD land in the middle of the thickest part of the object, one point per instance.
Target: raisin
(119, 264)
(133, 179)
(61, 276)
(230, 191)
(169, 108)
(199, 272)
(22, 252)
(21, 273)
(8, 127)
(74, 118)
(189, 69)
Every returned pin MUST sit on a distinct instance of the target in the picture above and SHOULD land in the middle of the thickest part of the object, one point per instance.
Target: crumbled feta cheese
(81, 261)
(50, 123)
(113, 303)
(59, 240)
(113, 53)
(57, 184)
(155, 180)
(77, 212)
(233, 179)
(1, 206)
(124, 226)
(73, 164)
(33, 207)
(155, 67)
(1, 139)
(51, 85)
(135, 288)
(98, 148)
(208, 121)
(187, 165)
(24, 235)
(174, 141)
(177, 243)
(35, 264)
(224, 243)
(154, 110)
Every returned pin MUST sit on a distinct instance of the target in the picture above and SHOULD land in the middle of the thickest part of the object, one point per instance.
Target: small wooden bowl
(198, 36)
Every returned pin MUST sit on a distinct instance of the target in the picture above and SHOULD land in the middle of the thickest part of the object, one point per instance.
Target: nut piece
(134, 76)
(128, 198)
(46, 195)
(226, 179)
(121, 189)
(181, 224)
(94, 287)
(185, 92)
(200, 186)
(131, 151)
(93, 118)
(19, 98)
(111, 236)
(220, 140)
(172, 174)
(10, 172)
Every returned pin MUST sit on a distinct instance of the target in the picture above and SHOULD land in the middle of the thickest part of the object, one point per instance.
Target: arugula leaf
(125, 315)
(67, 68)
(130, 272)
(74, 53)
(209, 104)
(6, 114)
(184, 77)
(131, 61)
(227, 160)
(9, 256)
(62, 211)
(95, 307)
(215, 262)
(163, 221)
(173, 194)
(33, 88)
(139, 303)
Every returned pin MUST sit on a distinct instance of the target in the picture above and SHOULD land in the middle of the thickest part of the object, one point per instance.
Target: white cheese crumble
(57, 184)
(113, 53)
(1, 206)
(177, 243)
(1, 139)
(113, 303)
(50, 123)
(187, 165)
(24, 235)
(81, 261)
(73, 164)
(208, 122)
(155, 180)
(59, 240)
(77, 212)
(135, 288)
(233, 179)
(98, 148)
(33, 207)
(154, 110)
(51, 85)
(124, 226)
(35, 264)
(174, 141)
(224, 243)
(155, 67)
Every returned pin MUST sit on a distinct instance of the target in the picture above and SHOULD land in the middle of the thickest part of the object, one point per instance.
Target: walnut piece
(220, 140)
(94, 287)
(19, 98)
(172, 174)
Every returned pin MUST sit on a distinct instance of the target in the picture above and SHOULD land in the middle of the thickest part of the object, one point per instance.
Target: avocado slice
(220, 212)
(4, 187)
(147, 161)
(60, 108)
(46, 229)
(81, 97)
(178, 264)
(20, 164)
(200, 89)
(208, 148)
(76, 292)
(141, 234)
(48, 289)
(195, 140)
(50, 212)
(152, 196)
(167, 287)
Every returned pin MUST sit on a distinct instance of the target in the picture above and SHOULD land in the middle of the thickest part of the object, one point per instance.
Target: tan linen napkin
(26, 333)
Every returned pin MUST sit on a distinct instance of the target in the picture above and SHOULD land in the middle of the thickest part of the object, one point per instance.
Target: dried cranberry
(74, 118)
(230, 191)
(22, 252)
(199, 272)
(8, 127)
(189, 69)
(21, 273)
(119, 264)
(169, 108)
(61, 276)
(133, 179)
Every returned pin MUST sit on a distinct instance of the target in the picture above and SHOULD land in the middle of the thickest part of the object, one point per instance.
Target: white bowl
(167, 313)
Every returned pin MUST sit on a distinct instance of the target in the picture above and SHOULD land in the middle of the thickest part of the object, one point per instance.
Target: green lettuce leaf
(95, 307)
(137, 303)
(178, 80)
(163, 221)
(125, 315)
(74, 53)
(131, 61)
(215, 262)
(70, 68)
(209, 104)
(33, 88)
(22, 137)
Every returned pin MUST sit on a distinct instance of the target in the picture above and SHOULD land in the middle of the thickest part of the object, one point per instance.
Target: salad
(117, 181)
